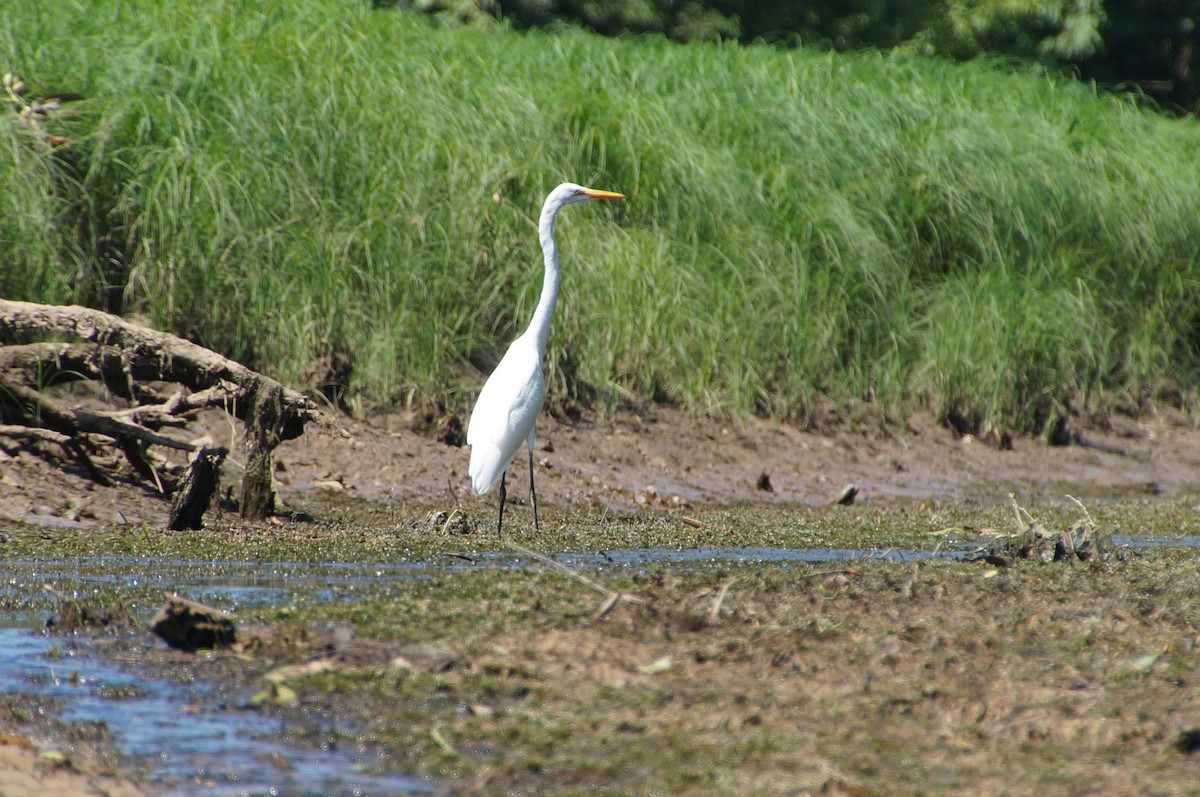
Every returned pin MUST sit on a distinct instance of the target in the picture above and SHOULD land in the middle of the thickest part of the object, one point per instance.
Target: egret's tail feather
(487, 465)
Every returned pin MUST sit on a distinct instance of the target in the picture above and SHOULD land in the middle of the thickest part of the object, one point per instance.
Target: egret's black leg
(500, 522)
(533, 493)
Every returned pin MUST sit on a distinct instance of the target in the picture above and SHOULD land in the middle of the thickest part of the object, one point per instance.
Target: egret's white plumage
(509, 403)
(505, 413)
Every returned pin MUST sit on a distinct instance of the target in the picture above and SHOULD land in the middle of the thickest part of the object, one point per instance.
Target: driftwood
(43, 345)
(187, 625)
(1085, 540)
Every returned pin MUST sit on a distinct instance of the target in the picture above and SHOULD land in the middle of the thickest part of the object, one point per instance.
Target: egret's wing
(510, 399)
(505, 412)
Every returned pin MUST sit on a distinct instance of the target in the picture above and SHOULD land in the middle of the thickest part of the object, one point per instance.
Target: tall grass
(277, 178)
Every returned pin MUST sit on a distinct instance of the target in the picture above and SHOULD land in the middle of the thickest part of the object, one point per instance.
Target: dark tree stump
(263, 433)
(196, 491)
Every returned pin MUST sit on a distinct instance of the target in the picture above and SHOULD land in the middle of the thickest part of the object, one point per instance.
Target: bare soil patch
(647, 458)
(51, 759)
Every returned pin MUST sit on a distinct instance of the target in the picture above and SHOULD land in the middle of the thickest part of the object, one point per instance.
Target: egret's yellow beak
(597, 194)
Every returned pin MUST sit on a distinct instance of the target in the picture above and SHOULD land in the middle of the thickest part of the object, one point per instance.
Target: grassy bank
(283, 180)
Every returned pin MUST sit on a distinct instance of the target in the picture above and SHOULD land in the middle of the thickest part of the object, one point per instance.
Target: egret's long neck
(539, 326)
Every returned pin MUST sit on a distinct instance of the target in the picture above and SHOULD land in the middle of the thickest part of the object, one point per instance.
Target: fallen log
(146, 354)
(43, 345)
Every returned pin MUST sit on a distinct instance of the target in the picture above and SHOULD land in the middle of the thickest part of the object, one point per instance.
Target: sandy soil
(651, 456)
(26, 771)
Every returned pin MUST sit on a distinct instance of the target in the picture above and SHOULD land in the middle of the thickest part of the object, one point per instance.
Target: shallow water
(1175, 541)
(748, 554)
(232, 584)
(192, 744)
(229, 584)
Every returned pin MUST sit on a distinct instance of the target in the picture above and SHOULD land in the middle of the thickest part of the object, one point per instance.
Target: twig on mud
(908, 585)
(609, 604)
(314, 665)
(848, 571)
(1018, 511)
(453, 513)
(607, 506)
(1086, 514)
(441, 742)
(715, 611)
(612, 596)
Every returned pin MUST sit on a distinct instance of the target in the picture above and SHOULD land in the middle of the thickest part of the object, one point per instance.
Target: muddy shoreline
(654, 458)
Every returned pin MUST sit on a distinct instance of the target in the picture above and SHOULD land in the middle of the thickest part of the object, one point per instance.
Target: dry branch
(27, 433)
(36, 409)
(714, 613)
(612, 596)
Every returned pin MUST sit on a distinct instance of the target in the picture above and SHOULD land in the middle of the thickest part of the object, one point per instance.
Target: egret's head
(570, 193)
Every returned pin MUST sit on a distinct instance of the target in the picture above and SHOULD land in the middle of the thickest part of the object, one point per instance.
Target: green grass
(278, 179)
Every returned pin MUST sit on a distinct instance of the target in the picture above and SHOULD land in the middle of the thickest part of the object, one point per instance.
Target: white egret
(511, 398)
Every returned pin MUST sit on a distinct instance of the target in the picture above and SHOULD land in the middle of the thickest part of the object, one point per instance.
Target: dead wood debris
(1084, 540)
(845, 496)
(714, 613)
(196, 490)
(126, 359)
(190, 626)
(453, 522)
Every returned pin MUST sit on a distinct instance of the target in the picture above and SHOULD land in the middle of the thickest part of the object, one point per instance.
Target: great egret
(511, 398)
